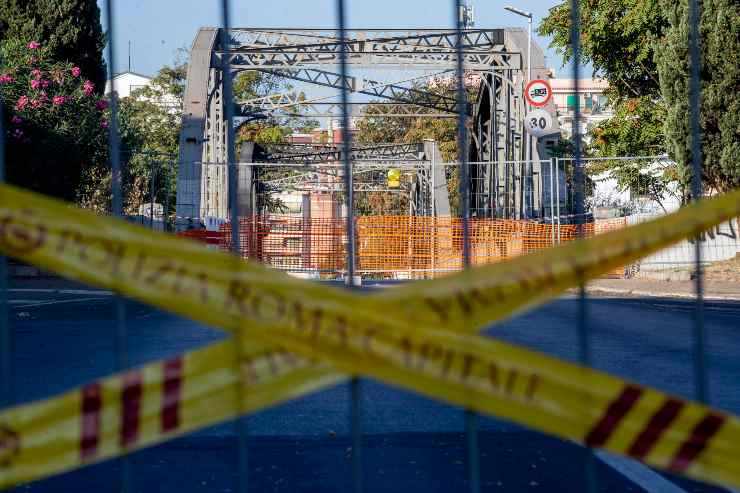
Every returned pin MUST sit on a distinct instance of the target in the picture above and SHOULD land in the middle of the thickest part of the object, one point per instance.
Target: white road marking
(642, 476)
(33, 303)
(89, 292)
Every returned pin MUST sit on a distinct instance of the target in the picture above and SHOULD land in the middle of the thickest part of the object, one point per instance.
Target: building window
(294, 207)
(571, 101)
(292, 243)
(601, 102)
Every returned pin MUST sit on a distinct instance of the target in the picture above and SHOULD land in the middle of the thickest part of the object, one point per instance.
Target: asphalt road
(64, 336)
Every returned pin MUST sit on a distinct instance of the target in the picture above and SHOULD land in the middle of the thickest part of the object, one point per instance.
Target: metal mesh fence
(493, 212)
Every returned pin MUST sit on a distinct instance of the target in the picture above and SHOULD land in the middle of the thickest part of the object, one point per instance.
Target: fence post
(584, 333)
(152, 192)
(552, 198)
(700, 371)
(232, 178)
(166, 205)
(6, 335)
(114, 157)
(557, 193)
(434, 211)
(355, 388)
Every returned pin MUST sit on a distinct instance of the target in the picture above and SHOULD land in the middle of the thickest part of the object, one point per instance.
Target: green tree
(720, 85)
(70, 29)
(150, 120)
(619, 39)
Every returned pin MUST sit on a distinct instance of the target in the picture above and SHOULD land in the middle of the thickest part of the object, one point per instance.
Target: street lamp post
(528, 15)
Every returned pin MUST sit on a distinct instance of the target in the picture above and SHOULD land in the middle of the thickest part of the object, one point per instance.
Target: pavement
(64, 336)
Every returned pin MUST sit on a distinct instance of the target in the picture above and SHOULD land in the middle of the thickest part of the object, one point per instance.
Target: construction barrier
(394, 337)
(386, 246)
(291, 243)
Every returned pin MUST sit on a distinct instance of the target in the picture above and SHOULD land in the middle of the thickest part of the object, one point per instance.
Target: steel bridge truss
(372, 48)
(309, 56)
(398, 94)
(327, 153)
(369, 176)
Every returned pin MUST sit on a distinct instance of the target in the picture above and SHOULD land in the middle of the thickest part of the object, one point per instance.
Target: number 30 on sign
(538, 123)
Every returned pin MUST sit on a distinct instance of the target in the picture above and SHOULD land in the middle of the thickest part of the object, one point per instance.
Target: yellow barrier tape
(340, 328)
(160, 401)
(148, 405)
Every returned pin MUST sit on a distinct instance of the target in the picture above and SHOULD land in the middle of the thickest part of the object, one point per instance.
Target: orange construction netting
(395, 246)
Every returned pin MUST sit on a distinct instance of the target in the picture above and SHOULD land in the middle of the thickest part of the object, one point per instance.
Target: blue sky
(157, 28)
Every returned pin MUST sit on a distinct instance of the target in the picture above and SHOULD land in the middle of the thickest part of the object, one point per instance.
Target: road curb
(660, 294)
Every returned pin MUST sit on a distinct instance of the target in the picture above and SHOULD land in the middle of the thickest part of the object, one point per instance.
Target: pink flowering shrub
(54, 118)
(31, 81)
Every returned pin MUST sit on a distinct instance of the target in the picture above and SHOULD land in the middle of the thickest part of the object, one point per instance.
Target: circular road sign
(538, 92)
(538, 123)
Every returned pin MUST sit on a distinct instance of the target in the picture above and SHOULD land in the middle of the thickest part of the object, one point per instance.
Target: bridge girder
(313, 154)
(390, 91)
(283, 48)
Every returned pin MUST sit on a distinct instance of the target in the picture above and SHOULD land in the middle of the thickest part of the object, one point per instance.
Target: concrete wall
(721, 243)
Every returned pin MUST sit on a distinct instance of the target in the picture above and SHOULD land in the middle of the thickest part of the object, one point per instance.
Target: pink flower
(6, 79)
(36, 73)
(35, 84)
(101, 104)
(43, 97)
(88, 88)
(103, 123)
(58, 100)
(22, 102)
(18, 133)
(76, 71)
(16, 120)
(36, 103)
(45, 83)
(34, 45)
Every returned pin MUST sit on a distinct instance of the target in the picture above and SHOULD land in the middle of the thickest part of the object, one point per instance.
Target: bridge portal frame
(303, 55)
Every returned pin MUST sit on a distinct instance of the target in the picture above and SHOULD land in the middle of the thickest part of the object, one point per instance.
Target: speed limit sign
(538, 92)
(538, 123)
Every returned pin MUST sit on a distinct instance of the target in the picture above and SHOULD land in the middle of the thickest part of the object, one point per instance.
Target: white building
(127, 82)
(590, 99)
